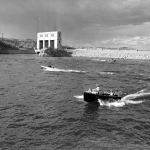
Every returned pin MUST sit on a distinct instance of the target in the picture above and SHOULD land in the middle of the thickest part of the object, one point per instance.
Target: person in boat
(117, 92)
(111, 92)
(89, 90)
(50, 66)
(96, 89)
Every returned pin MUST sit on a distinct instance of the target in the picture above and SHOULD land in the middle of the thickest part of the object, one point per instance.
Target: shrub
(57, 53)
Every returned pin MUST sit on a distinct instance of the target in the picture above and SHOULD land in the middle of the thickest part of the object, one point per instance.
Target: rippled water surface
(45, 110)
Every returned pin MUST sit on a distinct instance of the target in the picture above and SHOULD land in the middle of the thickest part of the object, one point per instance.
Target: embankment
(109, 53)
(17, 52)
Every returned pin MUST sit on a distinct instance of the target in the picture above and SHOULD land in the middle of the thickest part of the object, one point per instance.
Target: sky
(93, 23)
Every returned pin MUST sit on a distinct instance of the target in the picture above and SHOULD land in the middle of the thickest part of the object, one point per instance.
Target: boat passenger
(111, 92)
(97, 88)
(89, 90)
(50, 66)
(116, 92)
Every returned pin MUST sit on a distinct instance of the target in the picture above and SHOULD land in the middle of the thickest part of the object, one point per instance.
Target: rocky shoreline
(109, 53)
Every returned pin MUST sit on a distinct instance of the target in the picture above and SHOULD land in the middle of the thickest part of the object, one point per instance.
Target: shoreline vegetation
(49, 52)
(27, 47)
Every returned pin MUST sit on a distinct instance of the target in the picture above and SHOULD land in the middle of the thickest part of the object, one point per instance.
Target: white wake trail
(79, 96)
(136, 98)
(111, 104)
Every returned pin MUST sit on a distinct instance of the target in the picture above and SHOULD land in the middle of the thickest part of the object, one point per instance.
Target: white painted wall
(55, 35)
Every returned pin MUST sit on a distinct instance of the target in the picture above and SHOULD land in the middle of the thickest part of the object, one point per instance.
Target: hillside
(127, 48)
(15, 44)
(4, 46)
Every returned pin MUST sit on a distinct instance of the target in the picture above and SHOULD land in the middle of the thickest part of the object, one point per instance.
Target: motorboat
(50, 68)
(95, 96)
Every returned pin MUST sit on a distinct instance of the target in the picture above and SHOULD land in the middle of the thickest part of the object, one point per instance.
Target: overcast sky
(111, 23)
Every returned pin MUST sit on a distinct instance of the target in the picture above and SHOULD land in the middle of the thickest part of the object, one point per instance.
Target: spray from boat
(135, 98)
(79, 97)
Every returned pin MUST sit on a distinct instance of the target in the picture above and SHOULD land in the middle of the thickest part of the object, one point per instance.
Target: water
(44, 110)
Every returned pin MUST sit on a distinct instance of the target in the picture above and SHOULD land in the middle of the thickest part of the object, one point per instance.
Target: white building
(49, 39)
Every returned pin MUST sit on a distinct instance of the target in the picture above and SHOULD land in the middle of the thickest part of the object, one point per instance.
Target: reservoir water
(45, 110)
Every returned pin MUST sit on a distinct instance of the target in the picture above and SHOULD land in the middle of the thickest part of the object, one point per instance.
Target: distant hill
(68, 47)
(120, 48)
(29, 44)
(4, 46)
(127, 48)
(15, 44)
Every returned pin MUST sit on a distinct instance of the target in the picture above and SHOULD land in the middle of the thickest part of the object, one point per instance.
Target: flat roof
(49, 32)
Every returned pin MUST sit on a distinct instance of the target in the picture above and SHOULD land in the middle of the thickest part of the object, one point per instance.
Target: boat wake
(60, 70)
(118, 103)
(79, 97)
(136, 98)
(101, 60)
(106, 73)
(141, 95)
(111, 104)
(104, 60)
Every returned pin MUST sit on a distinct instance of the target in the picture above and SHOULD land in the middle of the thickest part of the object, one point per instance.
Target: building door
(41, 44)
(52, 44)
(46, 43)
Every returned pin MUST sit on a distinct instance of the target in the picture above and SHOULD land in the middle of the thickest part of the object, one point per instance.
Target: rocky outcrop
(49, 52)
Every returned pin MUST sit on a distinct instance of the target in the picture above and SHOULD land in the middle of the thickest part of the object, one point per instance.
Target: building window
(41, 35)
(52, 35)
(46, 35)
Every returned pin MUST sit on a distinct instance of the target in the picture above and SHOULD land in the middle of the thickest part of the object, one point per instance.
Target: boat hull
(93, 97)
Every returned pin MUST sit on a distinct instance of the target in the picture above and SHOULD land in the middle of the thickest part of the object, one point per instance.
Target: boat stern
(90, 97)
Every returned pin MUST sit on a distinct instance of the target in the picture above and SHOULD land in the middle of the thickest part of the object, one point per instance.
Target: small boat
(60, 70)
(51, 68)
(94, 97)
